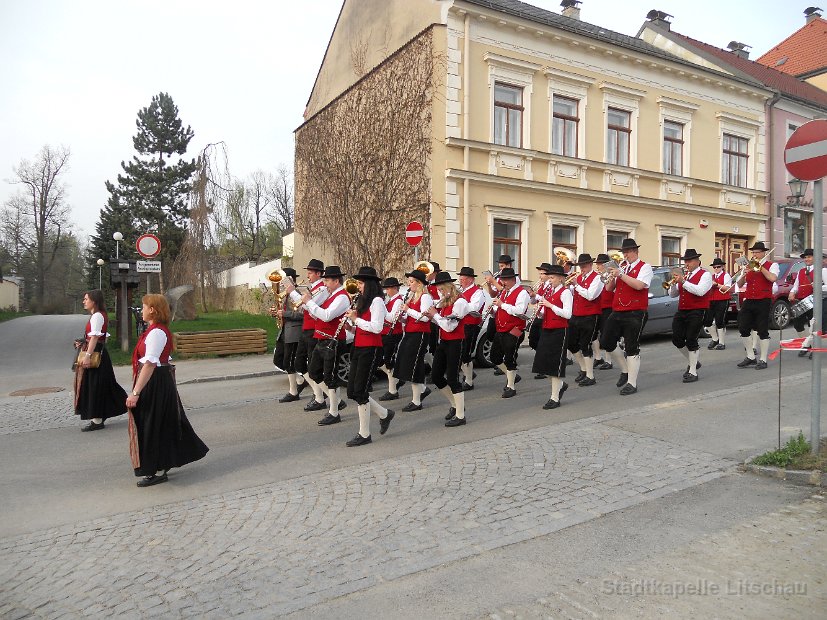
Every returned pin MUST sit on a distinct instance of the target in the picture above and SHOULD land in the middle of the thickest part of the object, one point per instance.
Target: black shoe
(466, 387)
(358, 441)
(690, 378)
(587, 382)
(628, 389)
(400, 384)
(517, 379)
(509, 392)
(389, 396)
(604, 365)
(746, 363)
(580, 376)
(803, 353)
(498, 372)
(411, 407)
(149, 481)
(473, 375)
(289, 398)
(301, 387)
(569, 361)
(92, 427)
(455, 421)
(712, 344)
(452, 411)
(385, 424)
(313, 405)
(425, 394)
(540, 375)
(329, 419)
(563, 389)
(697, 367)
(761, 365)
(551, 404)
(624, 379)
(342, 404)
(720, 347)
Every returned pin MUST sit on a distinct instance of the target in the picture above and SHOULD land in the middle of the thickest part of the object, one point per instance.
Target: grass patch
(795, 455)
(8, 315)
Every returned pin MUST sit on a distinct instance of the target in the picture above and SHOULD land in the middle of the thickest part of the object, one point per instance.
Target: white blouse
(155, 342)
(96, 324)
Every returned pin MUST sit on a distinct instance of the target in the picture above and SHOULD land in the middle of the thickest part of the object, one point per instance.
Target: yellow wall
(819, 81)
(9, 295)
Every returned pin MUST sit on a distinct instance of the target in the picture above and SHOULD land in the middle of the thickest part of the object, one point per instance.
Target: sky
(76, 73)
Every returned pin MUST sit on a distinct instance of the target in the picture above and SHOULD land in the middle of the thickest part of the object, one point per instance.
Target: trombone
(675, 275)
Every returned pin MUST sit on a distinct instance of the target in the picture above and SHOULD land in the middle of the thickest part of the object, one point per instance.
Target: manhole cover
(37, 390)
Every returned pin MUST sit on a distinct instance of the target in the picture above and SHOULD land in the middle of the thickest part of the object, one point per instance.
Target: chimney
(659, 18)
(811, 13)
(739, 49)
(570, 9)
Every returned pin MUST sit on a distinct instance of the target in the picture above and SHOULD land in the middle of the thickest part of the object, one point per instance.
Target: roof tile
(804, 51)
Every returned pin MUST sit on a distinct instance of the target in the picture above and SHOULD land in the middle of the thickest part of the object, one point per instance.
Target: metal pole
(100, 278)
(818, 261)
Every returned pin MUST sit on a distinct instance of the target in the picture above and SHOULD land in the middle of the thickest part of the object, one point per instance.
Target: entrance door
(730, 248)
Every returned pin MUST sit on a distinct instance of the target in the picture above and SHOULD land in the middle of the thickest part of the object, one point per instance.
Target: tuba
(563, 255)
(425, 267)
(275, 277)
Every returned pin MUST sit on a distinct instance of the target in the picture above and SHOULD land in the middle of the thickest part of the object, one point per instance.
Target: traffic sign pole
(818, 324)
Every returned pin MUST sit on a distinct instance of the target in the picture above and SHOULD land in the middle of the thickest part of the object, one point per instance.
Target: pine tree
(114, 217)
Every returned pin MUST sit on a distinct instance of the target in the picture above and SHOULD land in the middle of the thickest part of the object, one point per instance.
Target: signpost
(805, 156)
(413, 235)
(148, 246)
(148, 266)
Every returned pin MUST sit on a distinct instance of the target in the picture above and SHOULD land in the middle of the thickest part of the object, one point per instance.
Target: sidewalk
(213, 369)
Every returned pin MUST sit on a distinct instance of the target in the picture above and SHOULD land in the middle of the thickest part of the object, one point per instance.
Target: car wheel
(780, 314)
(483, 356)
(343, 372)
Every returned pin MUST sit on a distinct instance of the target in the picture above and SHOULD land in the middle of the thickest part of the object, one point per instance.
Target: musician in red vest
(432, 291)
(601, 360)
(410, 356)
(550, 359)
(449, 315)
(586, 289)
(329, 315)
(630, 308)
(511, 305)
(715, 318)
(475, 297)
(801, 290)
(693, 288)
(755, 312)
(539, 290)
(304, 350)
(391, 334)
(367, 321)
(494, 286)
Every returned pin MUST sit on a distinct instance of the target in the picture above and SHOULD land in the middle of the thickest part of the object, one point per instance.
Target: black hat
(545, 267)
(508, 272)
(333, 271)
(602, 259)
(366, 273)
(505, 258)
(442, 277)
(390, 283)
(418, 274)
(584, 259)
(629, 244)
(556, 270)
(436, 266)
(717, 262)
(807, 252)
(758, 246)
(315, 265)
(690, 254)
(467, 271)
(291, 273)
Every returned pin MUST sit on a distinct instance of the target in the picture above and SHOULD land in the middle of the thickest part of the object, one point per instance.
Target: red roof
(768, 76)
(802, 52)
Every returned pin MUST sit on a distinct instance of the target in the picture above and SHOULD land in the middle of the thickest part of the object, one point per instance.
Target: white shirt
(477, 301)
(394, 311)
(155, 342)
(727, 280)
(336, 308)
(567, 299)
(425, 302)
(459, 310)
(520, 304)
(591, 293)
(700, 289)
(645, 274)
(810, 275)
(96, 325)
(320, 296)
(377, 317)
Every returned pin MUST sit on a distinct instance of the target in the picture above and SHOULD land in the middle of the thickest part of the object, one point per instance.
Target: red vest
(397, 329)
(805, 285)
(551, 320)
(105, 327)
(718, 280)
(459, 332)
(582, 306)
(606, 299)
(364, 338)
(543, 289)
(758, 287)
(688, 301)
(309, 322)
(627, 298)
(411, 324)
(326, 329)
(433, 291)
(506, 322)
(140, 348)
(467, 295)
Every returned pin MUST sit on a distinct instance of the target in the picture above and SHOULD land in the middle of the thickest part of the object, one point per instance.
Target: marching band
(593, 308)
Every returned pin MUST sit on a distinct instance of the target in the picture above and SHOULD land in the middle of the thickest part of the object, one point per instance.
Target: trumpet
(572, 278)
(675, 275)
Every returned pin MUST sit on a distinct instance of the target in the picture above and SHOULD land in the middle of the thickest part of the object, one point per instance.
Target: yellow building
(549, 132)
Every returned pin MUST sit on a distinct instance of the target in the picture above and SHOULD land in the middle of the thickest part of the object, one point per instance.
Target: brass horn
(425, 267)
(352, 286)
(276, 276)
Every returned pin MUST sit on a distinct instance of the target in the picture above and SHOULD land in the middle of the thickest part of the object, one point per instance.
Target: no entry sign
(413, 233)
(148, 245)
(805, 154)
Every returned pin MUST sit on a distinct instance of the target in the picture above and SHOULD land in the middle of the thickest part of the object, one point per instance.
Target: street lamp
(797, 189)
(100, 273)
(118, 237)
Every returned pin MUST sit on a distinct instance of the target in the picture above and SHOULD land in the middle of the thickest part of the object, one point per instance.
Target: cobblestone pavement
(773, 566)
(284, 546)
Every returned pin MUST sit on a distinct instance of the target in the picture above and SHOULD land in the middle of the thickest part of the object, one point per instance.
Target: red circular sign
(413, 233)
(805, 154)
(148, 245)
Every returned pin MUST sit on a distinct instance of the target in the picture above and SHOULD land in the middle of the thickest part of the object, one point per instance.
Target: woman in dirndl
(160, 435)
(98, 395)
(550, 358)
(410, 356)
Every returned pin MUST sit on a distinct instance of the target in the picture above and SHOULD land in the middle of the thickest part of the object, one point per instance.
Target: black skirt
(97, 392)
(161, 436)
(550, 358)
(410, 356)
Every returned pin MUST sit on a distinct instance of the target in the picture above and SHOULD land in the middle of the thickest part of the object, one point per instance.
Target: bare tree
(280, 194)
(16, 239)
(45, 207)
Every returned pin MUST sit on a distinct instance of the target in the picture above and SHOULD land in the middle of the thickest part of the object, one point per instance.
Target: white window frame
(571, 86)
(515, 215)
(514, 72)
(741, 127)
(578, 222)
(672, 231)
(630, 228)
(628, 100)
(680, 112)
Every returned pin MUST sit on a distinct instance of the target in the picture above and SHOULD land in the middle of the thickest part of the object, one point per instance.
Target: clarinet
(344, 317)
(537, 313)
(398, 314)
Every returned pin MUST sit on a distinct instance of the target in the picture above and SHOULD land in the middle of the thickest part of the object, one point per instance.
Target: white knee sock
(502, 367)
(722, 335)
(578, 357)
(713, 331)
(589, 361)
(333, 397)
(511, 375)
(459, 404)
(364, 420)
(448, 394)
(765, 348)
(468, 371)
(685, 352)
(384, 369)
(754, 335)
(300, 378)
(597, 353)
(747, 340)
(633, 361)
(556, 384)
(417, 389)
(294, 386)
(97, 420)
(620, 360)
(693, 362)
(318, 394)
(378, 409)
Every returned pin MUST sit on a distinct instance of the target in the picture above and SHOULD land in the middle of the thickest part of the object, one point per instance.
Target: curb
(246, 375)
(811, 478)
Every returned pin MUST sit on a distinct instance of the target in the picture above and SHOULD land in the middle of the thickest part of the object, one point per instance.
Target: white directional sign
(148, 266)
